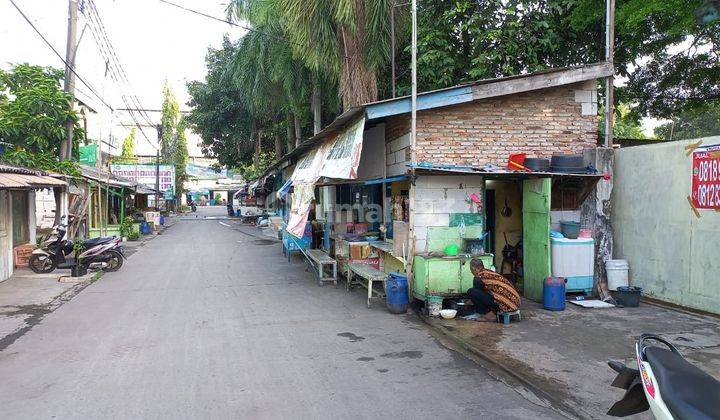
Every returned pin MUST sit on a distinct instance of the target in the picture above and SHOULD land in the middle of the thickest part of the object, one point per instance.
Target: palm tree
(347, 40)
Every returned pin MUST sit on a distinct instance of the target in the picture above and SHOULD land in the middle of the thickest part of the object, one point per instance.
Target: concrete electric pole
(610, 81)
(70, 52)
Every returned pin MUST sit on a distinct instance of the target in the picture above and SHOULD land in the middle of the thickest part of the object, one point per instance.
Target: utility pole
(392, 44)
(413, 146)
(609, 58)
(157, 168)
(70, 52)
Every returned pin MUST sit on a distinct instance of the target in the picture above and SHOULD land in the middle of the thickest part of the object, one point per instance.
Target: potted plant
(126, 228)
(133, 236)
(78, 270)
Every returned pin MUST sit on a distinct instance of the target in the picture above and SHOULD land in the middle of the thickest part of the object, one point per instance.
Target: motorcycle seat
(688, 392)
(98, 241)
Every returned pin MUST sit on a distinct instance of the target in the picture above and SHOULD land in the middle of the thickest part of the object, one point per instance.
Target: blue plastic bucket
(554, 293)
(396, 289)
(145, 228)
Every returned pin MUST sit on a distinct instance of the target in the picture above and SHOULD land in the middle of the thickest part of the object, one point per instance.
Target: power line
(111, 57)
(248, 28)
(72, 69)
(114, 55)
(114, 66)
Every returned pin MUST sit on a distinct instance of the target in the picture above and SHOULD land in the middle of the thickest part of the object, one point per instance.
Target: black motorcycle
(53, 252)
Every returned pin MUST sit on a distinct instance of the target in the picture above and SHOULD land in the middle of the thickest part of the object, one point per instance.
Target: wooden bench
(319, 260)
(369, 274)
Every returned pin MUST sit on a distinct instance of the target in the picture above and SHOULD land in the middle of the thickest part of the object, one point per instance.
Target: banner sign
(706, 177)
(145, 174)
(205, 172)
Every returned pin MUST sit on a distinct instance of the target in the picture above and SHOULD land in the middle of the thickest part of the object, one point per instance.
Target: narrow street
(208, 322)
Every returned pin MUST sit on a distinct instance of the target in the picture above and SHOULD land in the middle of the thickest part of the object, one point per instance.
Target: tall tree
(33, 109)
(348, 40)
(127, 155)
(219, 113)
(168, 122)
(180, 158)
(692, 123)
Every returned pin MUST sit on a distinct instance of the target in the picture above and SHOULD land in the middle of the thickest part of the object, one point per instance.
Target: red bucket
(518, 158)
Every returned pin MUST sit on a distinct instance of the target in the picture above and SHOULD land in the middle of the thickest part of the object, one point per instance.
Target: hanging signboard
(706, 177)
(145, 174)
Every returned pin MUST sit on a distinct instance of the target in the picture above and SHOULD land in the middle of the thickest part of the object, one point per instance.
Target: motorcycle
(53, 252)
(193, 206)
(666, 383)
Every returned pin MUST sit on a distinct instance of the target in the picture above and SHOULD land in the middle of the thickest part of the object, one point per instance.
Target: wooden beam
(540, 81)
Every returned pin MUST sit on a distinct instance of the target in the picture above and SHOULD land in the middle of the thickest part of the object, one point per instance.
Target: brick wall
(539, 123)
(396, 126)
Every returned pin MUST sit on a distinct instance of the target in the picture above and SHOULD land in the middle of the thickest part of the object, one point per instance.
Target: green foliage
(346, 41)
(126, 227)
(44, 161)
(133, 236)
(180, 158)
(168, 122)
(248, 171)
(671, 57)
(34, 109)
(78, 246)
(626, 123)
(127, 156)
(692, 124)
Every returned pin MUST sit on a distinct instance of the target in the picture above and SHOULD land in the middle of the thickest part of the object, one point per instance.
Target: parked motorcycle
(193, 206)
(666, 383)
(105, 253)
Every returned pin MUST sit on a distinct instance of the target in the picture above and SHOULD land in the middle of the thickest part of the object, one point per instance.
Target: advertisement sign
(706, 177)
(145, 174)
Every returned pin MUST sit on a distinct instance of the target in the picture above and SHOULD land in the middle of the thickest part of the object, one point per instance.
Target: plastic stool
(506, 317)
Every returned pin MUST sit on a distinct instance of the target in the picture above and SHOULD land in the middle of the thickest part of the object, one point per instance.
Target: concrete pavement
(207, 322)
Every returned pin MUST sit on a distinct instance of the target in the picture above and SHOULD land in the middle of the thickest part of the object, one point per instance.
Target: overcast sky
(154, 42)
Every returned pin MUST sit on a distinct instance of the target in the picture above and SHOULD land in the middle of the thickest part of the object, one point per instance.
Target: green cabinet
(438, 276)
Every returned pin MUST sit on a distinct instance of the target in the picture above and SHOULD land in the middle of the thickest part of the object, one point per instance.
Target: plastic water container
(617, 273)
(145, 228)
(396, 289)
(554, 293)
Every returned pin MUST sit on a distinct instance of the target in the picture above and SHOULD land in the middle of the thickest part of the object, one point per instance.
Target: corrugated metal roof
(11, 169)
(24, 181)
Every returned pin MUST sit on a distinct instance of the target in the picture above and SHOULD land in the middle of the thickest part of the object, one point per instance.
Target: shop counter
(448, 276)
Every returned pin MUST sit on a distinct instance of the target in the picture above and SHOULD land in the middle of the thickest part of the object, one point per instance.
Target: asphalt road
(209, 322)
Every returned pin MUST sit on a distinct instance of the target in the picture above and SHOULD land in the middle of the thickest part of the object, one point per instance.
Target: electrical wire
(71, 68)
(114, 55)
(248, 28)
(116, 71)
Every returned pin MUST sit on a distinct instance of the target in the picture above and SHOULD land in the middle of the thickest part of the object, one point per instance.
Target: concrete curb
(541, 392)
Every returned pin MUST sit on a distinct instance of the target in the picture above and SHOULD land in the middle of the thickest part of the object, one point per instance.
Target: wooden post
(70, 52)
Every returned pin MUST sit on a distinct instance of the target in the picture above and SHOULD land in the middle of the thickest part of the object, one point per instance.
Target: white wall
(673, 255)
(436, 197)
(397, 155)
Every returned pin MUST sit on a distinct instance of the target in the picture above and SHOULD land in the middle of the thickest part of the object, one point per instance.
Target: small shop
(356, 196)
(17, 213)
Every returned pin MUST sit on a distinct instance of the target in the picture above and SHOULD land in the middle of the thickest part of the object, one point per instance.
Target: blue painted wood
(428, 100)
(388, 180)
